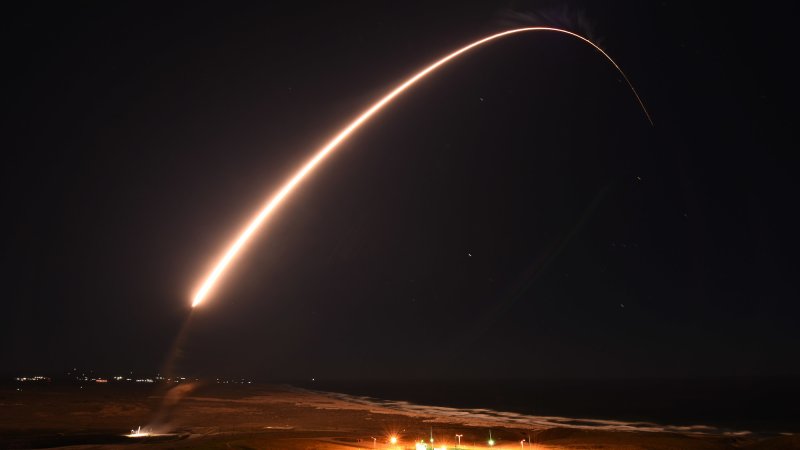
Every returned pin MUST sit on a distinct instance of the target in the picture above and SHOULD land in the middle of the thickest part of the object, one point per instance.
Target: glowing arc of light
(273, 202)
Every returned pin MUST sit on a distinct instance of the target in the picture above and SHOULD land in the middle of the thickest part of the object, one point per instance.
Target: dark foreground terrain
(281, 417)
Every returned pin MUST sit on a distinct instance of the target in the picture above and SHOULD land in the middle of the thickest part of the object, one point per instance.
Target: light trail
(287, 188)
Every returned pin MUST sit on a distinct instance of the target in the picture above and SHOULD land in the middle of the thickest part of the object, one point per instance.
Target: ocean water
(730, 405)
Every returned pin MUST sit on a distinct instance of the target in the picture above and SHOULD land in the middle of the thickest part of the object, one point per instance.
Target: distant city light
(90, 376)
(34, 378)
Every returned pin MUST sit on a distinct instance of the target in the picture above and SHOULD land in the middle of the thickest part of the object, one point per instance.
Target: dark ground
(225, 417)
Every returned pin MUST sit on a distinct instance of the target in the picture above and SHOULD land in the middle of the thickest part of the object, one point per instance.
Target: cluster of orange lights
(394, 439)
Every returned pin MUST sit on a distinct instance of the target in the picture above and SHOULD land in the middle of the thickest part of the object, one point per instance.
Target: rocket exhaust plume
(256, 222)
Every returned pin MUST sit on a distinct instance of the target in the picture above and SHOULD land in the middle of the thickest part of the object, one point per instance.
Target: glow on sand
(256, 222)
(138, 433)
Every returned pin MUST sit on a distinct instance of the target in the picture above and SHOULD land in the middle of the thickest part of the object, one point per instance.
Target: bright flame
(287, 188)
(138, 433)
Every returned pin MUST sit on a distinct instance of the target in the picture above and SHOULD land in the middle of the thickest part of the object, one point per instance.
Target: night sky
(513, 216)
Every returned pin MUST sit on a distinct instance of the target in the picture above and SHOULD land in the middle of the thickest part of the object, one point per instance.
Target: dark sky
(140, 136)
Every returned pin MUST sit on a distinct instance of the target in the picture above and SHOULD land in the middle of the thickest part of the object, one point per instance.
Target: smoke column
(333, 144)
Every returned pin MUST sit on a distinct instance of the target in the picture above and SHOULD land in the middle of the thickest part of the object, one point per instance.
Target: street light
(491, 441)
(374, 441)
(459, 439)
(393, 440)
(522, 444)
